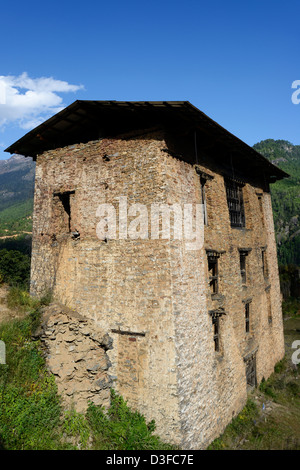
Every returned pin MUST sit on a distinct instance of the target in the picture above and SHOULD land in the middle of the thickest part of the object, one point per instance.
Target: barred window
(234, 193)
(213, 270)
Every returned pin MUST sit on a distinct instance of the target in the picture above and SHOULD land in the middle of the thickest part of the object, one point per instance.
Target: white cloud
(27, 102)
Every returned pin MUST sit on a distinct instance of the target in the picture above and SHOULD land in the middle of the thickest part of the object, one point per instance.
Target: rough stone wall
(75, 352)
(120, 284)
(272, 296)
(222, 380)
(152, 296)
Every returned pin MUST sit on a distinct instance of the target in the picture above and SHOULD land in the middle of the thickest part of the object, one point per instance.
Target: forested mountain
(16, 195)
(16, 180)
(285, 197)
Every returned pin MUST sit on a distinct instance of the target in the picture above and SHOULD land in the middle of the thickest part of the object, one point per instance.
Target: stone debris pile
(75, 352)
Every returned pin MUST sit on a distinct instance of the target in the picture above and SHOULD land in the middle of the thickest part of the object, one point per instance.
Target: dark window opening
(213, 274)
(235, 201)
(65, 200)
(243, 267)
(247, 318)
(63, 209)
(243, 263)
(216, 332)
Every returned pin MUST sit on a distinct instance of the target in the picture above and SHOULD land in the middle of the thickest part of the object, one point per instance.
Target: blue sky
(236, 61)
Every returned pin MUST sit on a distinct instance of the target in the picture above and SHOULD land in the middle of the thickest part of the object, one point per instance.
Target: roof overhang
(86, 120)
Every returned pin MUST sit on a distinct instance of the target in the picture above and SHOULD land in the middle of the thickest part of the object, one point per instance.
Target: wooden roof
(86, 120)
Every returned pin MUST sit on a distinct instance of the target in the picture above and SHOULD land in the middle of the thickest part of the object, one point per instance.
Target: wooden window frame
(214, 277)
(213, 270)
(243, 253)
(215, 317)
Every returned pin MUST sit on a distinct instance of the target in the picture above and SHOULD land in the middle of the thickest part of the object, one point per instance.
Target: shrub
(14, 267)
(293, 388)
(267, 388)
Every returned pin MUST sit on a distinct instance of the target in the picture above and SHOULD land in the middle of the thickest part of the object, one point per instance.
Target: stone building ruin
(190, 330)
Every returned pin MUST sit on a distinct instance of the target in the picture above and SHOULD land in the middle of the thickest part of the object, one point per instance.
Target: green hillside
(16, 218)
(285, 197)
(16, 203)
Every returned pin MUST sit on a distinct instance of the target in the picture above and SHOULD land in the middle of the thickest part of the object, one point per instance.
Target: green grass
(29, 404)
(122, 429)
